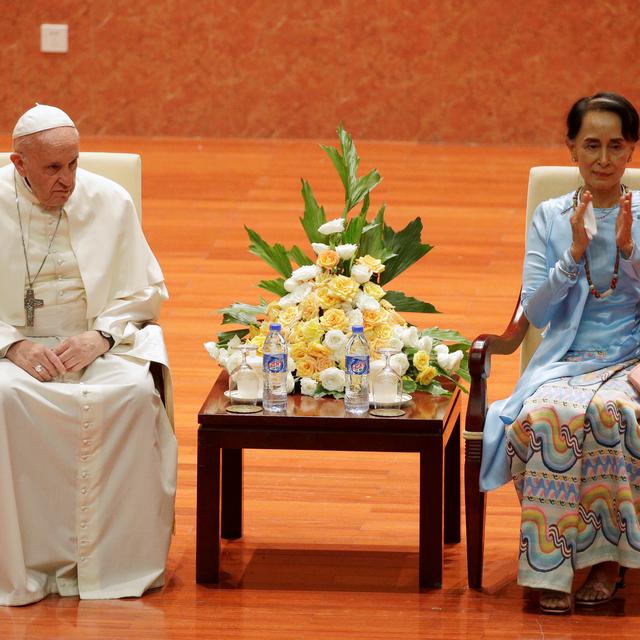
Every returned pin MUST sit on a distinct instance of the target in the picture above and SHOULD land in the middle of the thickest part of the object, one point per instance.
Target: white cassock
(87, 463)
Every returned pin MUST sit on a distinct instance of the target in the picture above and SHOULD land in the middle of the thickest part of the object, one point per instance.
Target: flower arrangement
(343, 285)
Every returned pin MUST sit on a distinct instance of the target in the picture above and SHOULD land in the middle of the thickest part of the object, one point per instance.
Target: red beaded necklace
(616, 267)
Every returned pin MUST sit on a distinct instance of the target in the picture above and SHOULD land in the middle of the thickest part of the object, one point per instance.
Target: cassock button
(83, 525)
(86, 443)
(86, 407)
(84, 474)
(83, 490)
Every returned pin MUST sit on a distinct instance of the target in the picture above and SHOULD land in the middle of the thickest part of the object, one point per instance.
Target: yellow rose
(306, 367)
(387, 305)
(326, 298)
(334, 319)
(343, 288)
(312, 330)
(324, 363)
(309, 307)
(253, 331)
(383, 332)
(258, 341)
(296, 335)
(273, 312)
(289, 316)
(317, 350)
(298, 350)
(374, 290)
(420, 360)
(374, 318)
(426, 375)
(264, 327)
(373, 264)
(395, 318)
(327, 259)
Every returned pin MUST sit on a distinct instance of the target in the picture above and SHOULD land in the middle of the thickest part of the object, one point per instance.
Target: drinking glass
(244, 381)
(386, 387)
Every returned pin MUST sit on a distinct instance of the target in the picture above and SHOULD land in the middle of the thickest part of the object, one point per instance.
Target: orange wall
(433, 71)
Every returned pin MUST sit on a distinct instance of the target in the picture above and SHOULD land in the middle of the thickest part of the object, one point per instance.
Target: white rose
(360, 273)
(337, 355)
(346, 251)
(335, 339)
(399, 363)
(394, 343)
(287, 301)
(365, 302)
(234, 342)
(306, 272)
(441, 349)
(332, 379)
(308, 386)
(319, 247)
(212, 349)
(425, 344)
(290, 284)
(333, 226)
(409, 337)
(223, 356)
(450, 362)
(290, 382)
(355, 317)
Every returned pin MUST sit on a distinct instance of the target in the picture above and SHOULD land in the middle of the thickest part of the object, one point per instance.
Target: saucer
(237, 398)
(406, 399)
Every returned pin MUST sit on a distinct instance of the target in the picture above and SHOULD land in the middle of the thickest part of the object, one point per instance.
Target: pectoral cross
(31, 303)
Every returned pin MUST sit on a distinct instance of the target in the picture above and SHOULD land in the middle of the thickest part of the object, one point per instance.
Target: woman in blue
(570, 430)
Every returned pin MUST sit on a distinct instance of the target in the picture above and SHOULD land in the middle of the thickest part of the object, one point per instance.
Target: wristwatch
(108, 337)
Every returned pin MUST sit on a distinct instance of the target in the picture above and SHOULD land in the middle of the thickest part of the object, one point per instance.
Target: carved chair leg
(475, 505)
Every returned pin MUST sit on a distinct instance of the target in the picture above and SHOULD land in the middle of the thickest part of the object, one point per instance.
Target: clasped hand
(624, 222)
(72, 354)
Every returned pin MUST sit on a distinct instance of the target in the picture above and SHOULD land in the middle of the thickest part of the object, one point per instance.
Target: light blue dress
(556, 295)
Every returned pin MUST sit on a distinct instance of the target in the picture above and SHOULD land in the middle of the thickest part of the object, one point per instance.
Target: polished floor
(343, 565)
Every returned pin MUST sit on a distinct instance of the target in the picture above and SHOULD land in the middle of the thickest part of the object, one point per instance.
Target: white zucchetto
(40, 118)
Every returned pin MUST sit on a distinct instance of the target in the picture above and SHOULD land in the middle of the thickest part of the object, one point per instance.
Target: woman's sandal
(619, 584)
(554, 594)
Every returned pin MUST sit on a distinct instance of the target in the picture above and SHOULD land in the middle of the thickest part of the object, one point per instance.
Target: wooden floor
(330, 550)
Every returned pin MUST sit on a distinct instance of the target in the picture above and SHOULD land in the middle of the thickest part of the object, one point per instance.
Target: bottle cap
(275, 326)
(357, 328)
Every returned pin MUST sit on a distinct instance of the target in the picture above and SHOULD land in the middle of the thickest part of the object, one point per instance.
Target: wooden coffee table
(430, 427)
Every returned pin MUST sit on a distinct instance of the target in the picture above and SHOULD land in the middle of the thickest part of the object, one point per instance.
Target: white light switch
(54, 38)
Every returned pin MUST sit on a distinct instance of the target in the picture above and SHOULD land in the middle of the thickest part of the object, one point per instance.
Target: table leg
(208, 510)
(431, 545)
(452, 486)
(232, 493)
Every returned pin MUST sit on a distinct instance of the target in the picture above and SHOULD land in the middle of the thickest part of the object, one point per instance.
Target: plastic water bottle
(274, 367)
(356, 392)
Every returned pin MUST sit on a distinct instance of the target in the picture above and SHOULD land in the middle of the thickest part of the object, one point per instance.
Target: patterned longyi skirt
(575, 461)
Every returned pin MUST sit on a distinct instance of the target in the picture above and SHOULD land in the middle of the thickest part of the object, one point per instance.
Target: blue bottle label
(357, 365)
(274, 362)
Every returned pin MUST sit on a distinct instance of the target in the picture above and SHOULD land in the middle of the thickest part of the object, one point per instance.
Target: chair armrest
(482, 348)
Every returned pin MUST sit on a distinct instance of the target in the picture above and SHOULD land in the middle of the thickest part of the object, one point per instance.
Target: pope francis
(87, 450)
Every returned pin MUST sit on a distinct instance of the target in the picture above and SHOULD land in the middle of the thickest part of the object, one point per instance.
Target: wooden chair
(544, 183)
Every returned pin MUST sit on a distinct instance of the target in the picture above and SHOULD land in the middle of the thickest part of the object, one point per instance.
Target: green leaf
(403, 302)
(362, 188)
(435, 389)
(314, 215)
(299, 256)
(339, 164)
(409, 385)
(225, 336)
(275, 256)
(351, 161)
(274, 286)
(445, 335)
(241, 313)
(372, 239)
(352, 233)
(406, 245)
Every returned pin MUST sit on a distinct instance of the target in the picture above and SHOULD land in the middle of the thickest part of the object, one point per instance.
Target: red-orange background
(487, 71)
